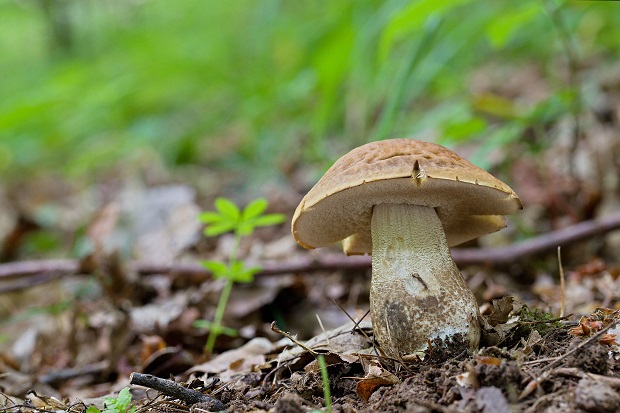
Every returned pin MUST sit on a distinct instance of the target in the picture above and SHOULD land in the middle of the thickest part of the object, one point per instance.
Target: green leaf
(245, 228)
(496, 105)
(201, 324)
(92, 409)
(269, 219)
(227, 331)
(255, 208)
(464, 130)
(120, 404)
(124, 399)
(227, 208)
(210, 217)
(218, 269)
(502, 28)
(411, 19)
(215, 328)
(239, 273)
(218, 229)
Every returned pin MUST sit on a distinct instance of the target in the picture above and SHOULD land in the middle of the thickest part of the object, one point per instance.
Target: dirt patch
(555, 372)
(542, 365)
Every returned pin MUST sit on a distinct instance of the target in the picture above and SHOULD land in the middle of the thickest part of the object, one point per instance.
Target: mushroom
(405, 202)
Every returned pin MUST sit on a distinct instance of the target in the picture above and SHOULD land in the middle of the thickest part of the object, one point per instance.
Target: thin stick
(172, 389)
(355, 323)
(562, 284)
(275, 329)
(539, 361)
(575, 372)
(322, 328)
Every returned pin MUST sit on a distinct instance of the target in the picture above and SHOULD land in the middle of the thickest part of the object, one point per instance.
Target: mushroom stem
(417, 293)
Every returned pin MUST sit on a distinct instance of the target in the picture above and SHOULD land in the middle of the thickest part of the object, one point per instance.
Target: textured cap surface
(467, 199)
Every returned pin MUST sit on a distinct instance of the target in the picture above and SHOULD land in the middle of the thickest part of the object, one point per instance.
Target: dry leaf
(493, 361)
(330, 359)
(608, 339)
(501, 310)
(599, 319)
(376, 376)
(495, 326)
(244, 357)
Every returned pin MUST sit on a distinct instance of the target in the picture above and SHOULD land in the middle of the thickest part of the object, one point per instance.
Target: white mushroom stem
(417, 293)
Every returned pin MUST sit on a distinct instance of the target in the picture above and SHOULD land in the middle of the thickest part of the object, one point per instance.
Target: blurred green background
(88, 85)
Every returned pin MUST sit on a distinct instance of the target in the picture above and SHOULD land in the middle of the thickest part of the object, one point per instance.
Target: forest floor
(75, 340)
(74, 331)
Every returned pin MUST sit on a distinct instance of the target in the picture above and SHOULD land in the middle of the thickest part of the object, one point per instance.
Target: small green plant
(229, 218)
(325, 379)
(118, 405)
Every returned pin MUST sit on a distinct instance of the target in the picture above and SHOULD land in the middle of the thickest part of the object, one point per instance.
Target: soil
(557, 372)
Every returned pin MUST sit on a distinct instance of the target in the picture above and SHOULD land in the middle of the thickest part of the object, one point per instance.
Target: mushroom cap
(468, 200)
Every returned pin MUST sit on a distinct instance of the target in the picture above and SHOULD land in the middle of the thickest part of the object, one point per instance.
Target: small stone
(596, 397)
(491, 400)
(289, 403)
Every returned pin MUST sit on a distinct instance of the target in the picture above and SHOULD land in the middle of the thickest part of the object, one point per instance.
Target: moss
(530, 319)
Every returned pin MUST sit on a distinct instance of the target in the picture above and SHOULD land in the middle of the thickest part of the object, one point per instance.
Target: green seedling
(325, 379)
(229, 218)
(118, 405)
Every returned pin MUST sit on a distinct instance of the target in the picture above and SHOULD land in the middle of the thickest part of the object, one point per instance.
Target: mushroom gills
(417, 292)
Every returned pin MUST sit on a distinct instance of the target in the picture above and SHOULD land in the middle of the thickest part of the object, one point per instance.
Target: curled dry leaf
(608, 339)
(330, 359)
(244, 358)
(46, 402)
(599, 319)
(375, 376)
(495, 326)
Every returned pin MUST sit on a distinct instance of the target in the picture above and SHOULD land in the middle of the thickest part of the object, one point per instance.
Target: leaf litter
(529, 361)
(78, 339)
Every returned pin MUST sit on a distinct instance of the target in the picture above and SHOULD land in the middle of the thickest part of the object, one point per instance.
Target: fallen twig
(275, 329)
(172, 389)
(45, 270)
(71, 373)
(576, 373)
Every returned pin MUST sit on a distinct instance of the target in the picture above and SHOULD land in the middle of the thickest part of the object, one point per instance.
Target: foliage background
(267, 85)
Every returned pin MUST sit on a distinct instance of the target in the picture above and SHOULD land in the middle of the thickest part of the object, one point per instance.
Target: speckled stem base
(417, 293)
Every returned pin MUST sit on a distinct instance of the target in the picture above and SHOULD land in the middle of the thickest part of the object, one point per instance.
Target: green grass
(303, 82)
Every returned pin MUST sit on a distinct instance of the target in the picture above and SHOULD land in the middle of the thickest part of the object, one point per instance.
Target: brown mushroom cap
(468, 200)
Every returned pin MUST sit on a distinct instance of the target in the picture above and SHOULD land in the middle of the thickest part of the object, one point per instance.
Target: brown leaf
(596, 321)
(494, 325)
(365, 387)
(493, 361)
(375, 376)
(501, 310)
(608, 339)
(330, 359)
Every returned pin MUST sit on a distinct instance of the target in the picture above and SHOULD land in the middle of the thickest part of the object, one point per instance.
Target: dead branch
(580, 374)
(73, 372)
(538, 245)
(45, 270)
(173, 389)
